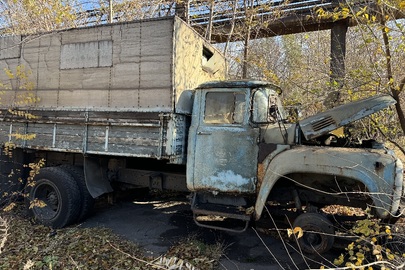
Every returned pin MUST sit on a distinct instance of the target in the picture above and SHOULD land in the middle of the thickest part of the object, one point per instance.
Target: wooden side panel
(196, 61)
(144, 141)
(69, 137)
(132, 134)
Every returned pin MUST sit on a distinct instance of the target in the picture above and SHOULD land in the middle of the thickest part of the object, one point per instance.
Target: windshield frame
(266, 106)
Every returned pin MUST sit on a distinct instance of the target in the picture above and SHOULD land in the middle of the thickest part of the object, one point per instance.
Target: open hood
(322, 123)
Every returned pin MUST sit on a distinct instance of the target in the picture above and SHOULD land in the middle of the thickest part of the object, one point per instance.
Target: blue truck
(145, 104)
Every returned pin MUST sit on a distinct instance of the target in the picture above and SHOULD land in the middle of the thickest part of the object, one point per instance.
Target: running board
(219, 216)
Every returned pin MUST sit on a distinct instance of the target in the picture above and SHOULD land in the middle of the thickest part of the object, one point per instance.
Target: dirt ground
(157, 224)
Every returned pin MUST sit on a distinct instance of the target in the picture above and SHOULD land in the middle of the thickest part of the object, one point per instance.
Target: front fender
(376, 169)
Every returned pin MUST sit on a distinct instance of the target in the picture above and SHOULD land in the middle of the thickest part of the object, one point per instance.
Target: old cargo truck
(130, 105)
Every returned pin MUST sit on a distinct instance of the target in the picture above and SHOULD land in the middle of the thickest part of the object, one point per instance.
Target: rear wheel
(318, 234)
(54, 199)
(87, 200)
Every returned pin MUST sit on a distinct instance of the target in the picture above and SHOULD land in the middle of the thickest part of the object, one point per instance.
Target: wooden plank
(133, 140)
(141, 151)
(4, 132)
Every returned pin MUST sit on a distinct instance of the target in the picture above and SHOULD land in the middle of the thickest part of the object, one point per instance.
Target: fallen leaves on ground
(196, 252)
(31, 246)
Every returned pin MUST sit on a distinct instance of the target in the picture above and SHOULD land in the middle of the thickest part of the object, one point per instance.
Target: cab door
(223, 147)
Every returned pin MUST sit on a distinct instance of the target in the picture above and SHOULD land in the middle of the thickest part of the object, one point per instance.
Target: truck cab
(244, 156)
(226, 134)
(226, 142)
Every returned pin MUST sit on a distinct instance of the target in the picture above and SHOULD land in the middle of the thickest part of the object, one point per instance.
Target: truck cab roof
(238, 84)
(185, 101)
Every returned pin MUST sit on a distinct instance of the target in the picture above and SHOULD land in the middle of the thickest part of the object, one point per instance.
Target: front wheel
(54, 199)
(318, 234)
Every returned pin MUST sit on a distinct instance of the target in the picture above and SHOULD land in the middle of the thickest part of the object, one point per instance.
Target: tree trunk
(235, 5)
(248, 20)
(110, 17)
(394, 90)
(210, 21)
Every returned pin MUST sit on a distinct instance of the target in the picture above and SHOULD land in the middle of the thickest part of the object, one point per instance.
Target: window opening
(206, 55)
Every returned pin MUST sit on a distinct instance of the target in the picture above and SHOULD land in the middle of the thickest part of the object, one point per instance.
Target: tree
(378, 66)
(127, 10)
(374, 64)
(34, 16)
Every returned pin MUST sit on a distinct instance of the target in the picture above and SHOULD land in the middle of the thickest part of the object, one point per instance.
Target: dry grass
(29, 246)
(4, 228)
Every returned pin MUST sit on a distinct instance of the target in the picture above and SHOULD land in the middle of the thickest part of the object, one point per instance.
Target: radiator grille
(323, 123)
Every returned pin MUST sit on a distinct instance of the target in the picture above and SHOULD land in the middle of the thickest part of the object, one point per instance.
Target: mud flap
(95, 174)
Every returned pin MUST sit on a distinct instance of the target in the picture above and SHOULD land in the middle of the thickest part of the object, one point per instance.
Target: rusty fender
(379, 170)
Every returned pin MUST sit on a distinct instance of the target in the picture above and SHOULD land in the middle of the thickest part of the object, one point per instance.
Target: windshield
(267, 107)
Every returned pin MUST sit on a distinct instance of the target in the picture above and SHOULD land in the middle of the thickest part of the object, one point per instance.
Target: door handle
(203, 133)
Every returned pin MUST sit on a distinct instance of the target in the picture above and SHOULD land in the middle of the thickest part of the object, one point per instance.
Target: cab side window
(224, 108)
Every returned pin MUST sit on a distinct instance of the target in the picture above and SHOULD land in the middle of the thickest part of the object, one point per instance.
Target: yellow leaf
(295, 231)
(339, 261)
(9, 207)
(37, 203)
(373, 240)
(299, 231)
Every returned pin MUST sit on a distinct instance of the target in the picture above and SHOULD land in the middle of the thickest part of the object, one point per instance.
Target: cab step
(219, 216)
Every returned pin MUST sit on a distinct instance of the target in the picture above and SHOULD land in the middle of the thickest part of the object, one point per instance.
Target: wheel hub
(53, 199)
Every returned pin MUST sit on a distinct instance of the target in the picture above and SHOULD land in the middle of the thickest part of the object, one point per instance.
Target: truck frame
(129, 104)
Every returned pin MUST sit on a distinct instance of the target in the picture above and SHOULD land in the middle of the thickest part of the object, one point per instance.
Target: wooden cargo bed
(129, 134)
(110, 90)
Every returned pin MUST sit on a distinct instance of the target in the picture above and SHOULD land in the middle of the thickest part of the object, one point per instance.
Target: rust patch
(260, 175)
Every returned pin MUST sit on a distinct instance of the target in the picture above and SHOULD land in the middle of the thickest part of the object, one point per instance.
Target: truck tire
(61, 195)
(312, 242)
(87, 200)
